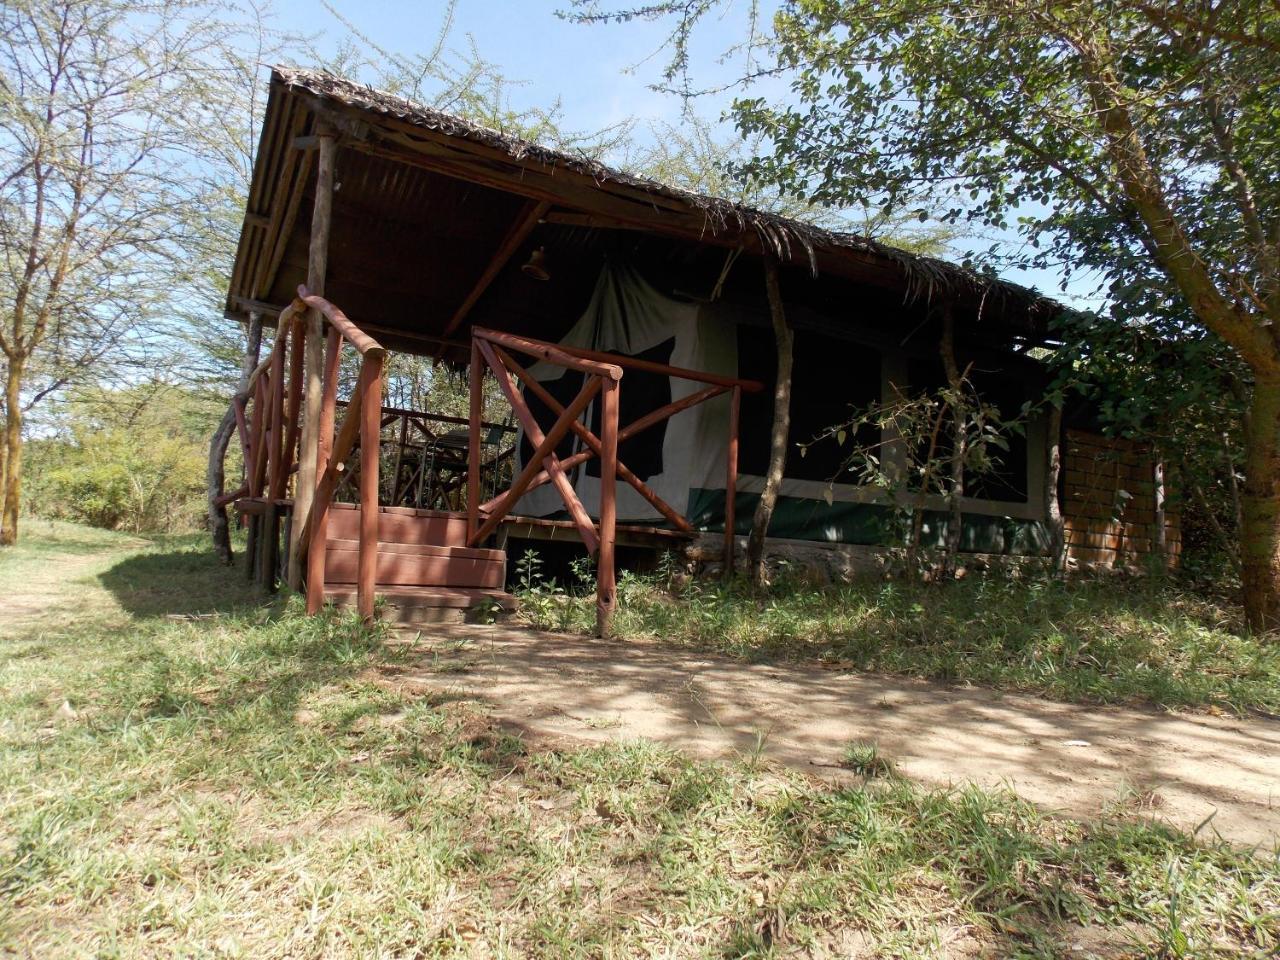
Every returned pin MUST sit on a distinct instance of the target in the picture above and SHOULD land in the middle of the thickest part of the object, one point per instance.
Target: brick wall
(1104, 528)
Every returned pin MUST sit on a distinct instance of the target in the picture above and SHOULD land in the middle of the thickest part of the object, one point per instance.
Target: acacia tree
(91, 193)
(1135, 140)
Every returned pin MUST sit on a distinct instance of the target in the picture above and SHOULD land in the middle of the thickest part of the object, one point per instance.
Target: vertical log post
(959, 451)
(276, 475)
(317, 266)
(1052, 504)
(1159, 539)
(474, 425)
(370, 443)
(784, 340)
(318, 543)
(215, 474)
(293, 408)
(731, 481)
(606, 576)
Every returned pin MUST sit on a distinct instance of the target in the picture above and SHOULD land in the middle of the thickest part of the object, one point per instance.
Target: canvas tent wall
(683, 459)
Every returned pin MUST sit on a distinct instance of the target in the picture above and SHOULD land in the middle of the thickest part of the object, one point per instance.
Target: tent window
(829, 378)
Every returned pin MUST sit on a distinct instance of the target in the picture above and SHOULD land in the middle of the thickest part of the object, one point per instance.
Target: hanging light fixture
(537, 265)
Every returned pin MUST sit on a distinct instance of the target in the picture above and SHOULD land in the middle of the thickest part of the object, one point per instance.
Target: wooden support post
(276, 472)
(474, 425)
(317, 266)
(370, 388)
(783, 340)
(606, 575)
(731, 480)
(269, 546)
(293, 410)
(318, 541)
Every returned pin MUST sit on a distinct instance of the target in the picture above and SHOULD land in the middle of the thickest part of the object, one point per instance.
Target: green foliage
(904, 447)
(131, 459)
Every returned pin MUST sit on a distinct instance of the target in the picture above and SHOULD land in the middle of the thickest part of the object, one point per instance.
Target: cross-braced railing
(602, 376)
(270, 434)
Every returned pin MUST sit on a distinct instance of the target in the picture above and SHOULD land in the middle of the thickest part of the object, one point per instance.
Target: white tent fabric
(628, 316)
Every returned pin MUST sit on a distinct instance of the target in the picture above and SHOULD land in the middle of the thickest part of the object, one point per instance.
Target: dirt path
(56, 587)
(1082, 761)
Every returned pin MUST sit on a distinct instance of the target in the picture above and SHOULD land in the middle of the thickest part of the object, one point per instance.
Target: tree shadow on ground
(181, 579)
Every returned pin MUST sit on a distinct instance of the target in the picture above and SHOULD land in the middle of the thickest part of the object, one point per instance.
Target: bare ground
(1081, 761)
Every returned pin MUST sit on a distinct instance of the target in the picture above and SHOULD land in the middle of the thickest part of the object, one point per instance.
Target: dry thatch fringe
(925, 275)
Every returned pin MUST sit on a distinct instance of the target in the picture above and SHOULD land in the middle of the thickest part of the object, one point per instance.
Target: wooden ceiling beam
(530, 214)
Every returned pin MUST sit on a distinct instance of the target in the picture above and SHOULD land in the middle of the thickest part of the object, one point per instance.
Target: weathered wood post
(784, 340)
(731, 480)
(215, 475)
(370, 388)
(317, 266)
(1052, 504)
(606, 575)
(475, 420)
(318, 542)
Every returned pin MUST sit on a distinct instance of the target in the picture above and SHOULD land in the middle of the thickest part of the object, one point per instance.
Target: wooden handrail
(365, 344)
(440, 417)
(652, 366)
(549, 352)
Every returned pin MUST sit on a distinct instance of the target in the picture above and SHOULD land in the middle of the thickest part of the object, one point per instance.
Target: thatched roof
(432, 215)
(788, 238)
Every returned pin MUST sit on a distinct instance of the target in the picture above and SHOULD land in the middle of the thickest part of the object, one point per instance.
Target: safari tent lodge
(624, 330)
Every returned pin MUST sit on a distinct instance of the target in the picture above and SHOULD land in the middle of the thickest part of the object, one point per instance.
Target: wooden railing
(363, 421)
(424, 461)
(602, 374)
(266, 415)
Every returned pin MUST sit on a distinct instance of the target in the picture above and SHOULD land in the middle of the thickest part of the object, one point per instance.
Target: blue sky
(601, 74)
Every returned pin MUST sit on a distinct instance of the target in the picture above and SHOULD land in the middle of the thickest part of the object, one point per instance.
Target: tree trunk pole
(784, 340)
(1260, 509)
(313, 362)
(215, 475)
(1159, 536)
(13, 452)
(1052, 505)
(955, 381)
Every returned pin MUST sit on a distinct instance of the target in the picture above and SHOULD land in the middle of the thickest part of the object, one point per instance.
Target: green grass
(249, 782)
(1093, 641)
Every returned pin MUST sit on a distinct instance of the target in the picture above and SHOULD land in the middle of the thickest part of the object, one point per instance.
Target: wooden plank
(396, 526)
(316, 538)
(342, 565)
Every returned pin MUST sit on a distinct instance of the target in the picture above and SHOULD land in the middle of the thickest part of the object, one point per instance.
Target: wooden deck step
(401, 525)
(418, 565)
(411, 605)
